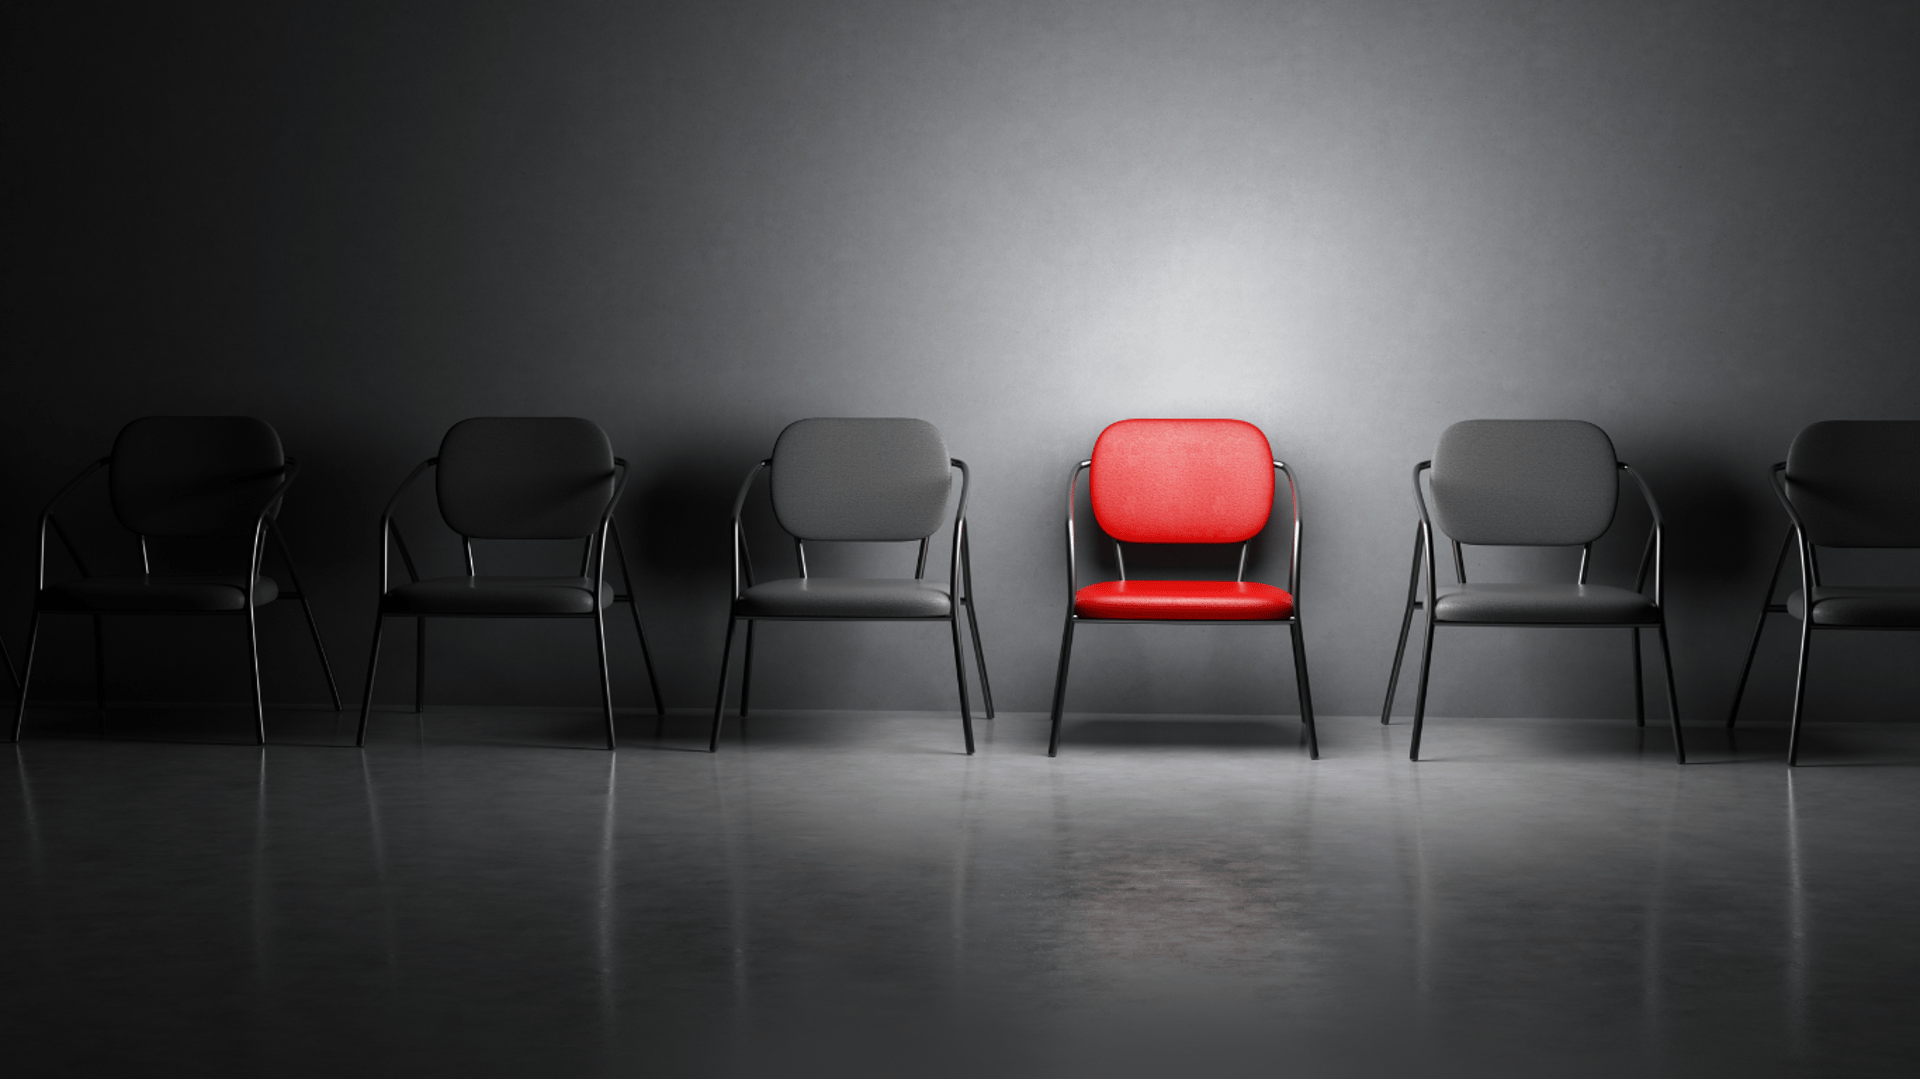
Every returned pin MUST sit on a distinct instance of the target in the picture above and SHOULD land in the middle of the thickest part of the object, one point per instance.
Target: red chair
(1190, 482)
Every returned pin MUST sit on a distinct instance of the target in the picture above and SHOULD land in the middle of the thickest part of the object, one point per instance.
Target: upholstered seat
(1177, 600)
(1536, 603)
(845, 597)
(157, 592)
(1864, 605)
(530, 597)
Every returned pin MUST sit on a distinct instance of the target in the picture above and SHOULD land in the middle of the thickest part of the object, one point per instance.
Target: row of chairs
(1205, 483)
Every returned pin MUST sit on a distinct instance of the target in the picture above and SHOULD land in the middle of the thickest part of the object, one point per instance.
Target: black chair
(1530, 483)
(174, 477)
(1845, 483)
(515, 478)
(859, 480)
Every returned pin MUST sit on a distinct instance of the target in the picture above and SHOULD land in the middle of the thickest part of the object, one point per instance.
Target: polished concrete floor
(481, 892)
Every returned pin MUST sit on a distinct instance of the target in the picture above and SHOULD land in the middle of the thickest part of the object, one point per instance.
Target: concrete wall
(1350, 223)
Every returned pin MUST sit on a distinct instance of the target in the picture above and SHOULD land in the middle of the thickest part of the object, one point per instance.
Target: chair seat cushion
(1206, 600)
(157, 592)
(1861, 606)
(503, 596)
(845, 597)
(1595, 604)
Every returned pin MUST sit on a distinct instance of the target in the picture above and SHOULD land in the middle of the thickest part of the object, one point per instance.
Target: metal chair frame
(1292, 621)
(959, 569)
(593, 559)
(1651, 557)
(265, 524)
(1809, 581)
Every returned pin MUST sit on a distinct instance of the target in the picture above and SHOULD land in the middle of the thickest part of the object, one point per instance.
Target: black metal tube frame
(1292, 622)
(265, 524)
(959, 572)
(1809, 561)
(1651, 558)
(594, 559)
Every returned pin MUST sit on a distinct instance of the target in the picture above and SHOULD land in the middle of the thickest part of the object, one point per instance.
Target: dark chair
(857, 480)
(1530, 483)
(1845, 483)
(175, 477)
(1187, 482)
(515, 478)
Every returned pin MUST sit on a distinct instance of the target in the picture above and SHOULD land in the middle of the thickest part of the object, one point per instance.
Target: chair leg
(1800, 684)
(373, 666)
(26, 676)
(1306, 691)
(1060, 686)
(1759, 623)
(746, 671)
(420, 664)
(100, 675)
(320, 649)
(960, 675)
(633, 606)
(646, 659)
(980, 656)
(1753, 649)
(253, 654)
(606, 684)
(13, 673)
(1420, 695)
(720, 696)
(1673, 697)
(1406, 626)
(1639, 683)
(313, 624)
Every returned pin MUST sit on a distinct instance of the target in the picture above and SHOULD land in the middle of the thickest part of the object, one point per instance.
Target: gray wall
(1350, 223)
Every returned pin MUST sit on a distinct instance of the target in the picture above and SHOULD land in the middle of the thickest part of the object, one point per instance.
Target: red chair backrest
(1182, 481)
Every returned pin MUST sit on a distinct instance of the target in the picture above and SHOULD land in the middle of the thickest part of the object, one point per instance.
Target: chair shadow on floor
(1196, 731)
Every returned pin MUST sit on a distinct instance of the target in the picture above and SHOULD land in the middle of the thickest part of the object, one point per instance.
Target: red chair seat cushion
(1240, 600)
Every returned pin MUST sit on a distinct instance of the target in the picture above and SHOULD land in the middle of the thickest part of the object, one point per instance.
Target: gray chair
(193, 478)
(857, 480)
(515, 478)
(1529, 483)
(1845, 483)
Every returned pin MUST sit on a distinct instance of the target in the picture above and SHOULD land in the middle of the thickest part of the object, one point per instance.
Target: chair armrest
(1655, 542)
(742, 557)
(1073, 569)
(1426, 534)
(46, 518)
(388, 528)
(1293, 558)
(959, 527)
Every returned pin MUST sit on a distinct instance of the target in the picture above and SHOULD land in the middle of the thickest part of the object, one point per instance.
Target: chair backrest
(525, 477)
(861, 479)
(194, 475)
(1182, 481)
(1856, 483)
(1525, 483)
